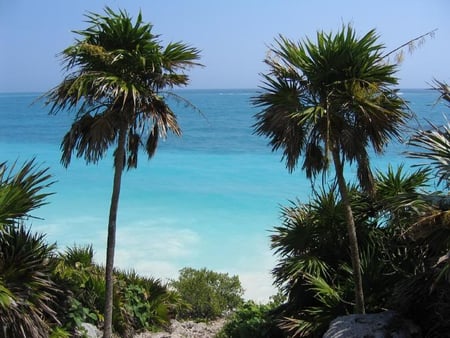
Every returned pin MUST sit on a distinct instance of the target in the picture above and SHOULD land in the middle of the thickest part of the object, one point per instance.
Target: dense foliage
(208, 294)
(252, 320)
(404, 240)
(27, 293)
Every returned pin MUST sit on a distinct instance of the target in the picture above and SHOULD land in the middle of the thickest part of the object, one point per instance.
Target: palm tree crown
(119, 69)
(331, 93)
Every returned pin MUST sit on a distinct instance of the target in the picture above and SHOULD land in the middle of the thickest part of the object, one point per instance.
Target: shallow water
(207, 199)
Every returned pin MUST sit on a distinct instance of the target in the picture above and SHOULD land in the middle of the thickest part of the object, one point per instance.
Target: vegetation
(140, 303)
(27, 294)
(21, 192)
(398, 269)
(404, 240)
(328, 101)
(117, 72)
(254, 320)
(207, 294)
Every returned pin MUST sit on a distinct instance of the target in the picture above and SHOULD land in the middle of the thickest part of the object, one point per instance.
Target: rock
(378, 325)
(91, 331)
(187, 329)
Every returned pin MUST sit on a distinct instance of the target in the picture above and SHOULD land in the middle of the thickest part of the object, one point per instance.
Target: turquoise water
(207, 199)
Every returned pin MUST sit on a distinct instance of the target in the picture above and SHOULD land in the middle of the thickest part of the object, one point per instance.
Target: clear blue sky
(232, 34)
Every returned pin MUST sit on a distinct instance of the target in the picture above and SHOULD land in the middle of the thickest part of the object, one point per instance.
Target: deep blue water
(207, 199)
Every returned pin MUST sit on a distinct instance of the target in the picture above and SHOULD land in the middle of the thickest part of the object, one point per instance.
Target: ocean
(207, 199)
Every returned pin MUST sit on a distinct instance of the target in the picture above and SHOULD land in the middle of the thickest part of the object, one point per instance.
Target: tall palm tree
(329, 101)
(118, 69)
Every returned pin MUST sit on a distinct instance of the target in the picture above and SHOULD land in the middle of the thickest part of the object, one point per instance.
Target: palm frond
(22, 192)
(25, 267)
(117, 69)
(435, 145)
(334, 91)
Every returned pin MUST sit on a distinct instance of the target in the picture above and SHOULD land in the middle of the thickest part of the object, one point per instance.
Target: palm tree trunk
(111, 244)
(351, 229)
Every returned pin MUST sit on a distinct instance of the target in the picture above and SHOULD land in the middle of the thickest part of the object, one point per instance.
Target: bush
(140, 303)
(83, 282)
(208, 294)
(251, 320)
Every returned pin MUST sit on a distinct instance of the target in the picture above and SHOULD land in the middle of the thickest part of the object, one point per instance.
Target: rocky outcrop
(378, 325)
(187, 329)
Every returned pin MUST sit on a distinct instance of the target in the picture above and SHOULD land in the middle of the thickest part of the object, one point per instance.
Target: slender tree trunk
(351, 229)
(111, 244)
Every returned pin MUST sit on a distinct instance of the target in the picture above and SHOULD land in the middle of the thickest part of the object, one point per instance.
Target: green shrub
(208, 294)
(251, 320)
(140, 303)
(84, 285)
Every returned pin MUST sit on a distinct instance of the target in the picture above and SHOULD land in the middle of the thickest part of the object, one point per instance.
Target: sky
(233, 35)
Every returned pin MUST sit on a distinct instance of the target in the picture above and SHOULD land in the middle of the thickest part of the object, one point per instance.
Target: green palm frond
(334, 91)
(435, 148)
(21, 192)
(326, 294)
(314, 320)
(277, 121)
(401, 193)
(76, 255)
(444, 90)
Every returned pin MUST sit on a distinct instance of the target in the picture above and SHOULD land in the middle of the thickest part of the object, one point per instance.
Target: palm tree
(118, 71)
(313, 264)
(330, 101)
(27, 293)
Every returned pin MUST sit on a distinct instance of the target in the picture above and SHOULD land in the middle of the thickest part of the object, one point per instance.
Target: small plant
(83, 281)
(140, 303)
(80, 314)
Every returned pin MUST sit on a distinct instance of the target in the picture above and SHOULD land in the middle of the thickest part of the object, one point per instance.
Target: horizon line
(184, 88)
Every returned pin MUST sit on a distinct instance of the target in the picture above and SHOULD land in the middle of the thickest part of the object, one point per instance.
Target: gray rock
(187, 329)
(91, 331)
(378, 325)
